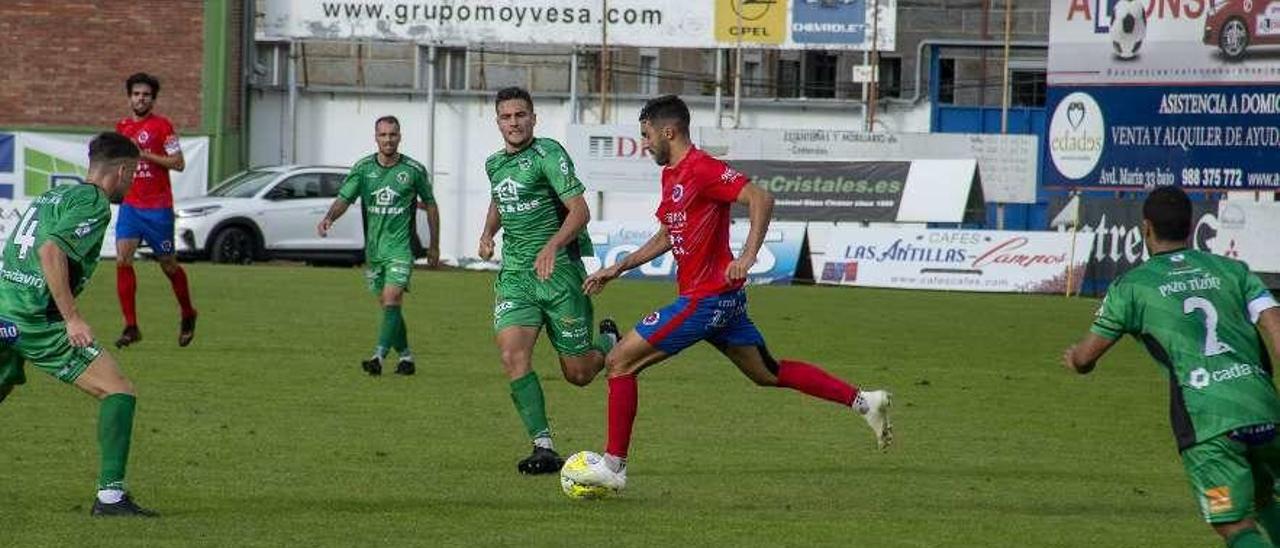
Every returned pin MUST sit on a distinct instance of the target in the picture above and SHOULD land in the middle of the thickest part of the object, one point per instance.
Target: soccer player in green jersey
(390, 185)
(537, 202)
(46, 263)
(1199, 316)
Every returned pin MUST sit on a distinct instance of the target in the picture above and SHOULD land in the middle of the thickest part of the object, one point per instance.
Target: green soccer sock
(1269, 519)
(400, 339)
(115, 429)
(1248, 538)
(387, 334)
(526, 393)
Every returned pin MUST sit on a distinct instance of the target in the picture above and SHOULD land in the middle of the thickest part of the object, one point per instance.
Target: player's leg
(517, 319)
(375, 274)
(1266, 468)
(569, 316)
(398, 274)
(1221, 478)
(11, 374)
(128, 237)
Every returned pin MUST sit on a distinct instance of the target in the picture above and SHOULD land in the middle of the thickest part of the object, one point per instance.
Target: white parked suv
(272, 213)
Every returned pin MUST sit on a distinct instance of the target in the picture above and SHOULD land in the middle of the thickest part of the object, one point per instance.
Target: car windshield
(244, 184)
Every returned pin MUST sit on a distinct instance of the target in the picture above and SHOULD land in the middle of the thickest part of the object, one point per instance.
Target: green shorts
(1228, 476)
(46, 346)
(379, 274)
(521, 299)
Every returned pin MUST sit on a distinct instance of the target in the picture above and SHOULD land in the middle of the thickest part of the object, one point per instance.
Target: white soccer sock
(380, 352)
(544, 442)
(110, 496)
(406, 355)
(860, 404)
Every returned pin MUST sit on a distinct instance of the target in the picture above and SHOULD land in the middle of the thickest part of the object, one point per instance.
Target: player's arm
(492, 223)
(1084, 355)
(657, 245)
(53, 262)
(346, 194)
(574, 222)
(172, 158)
(433, 222)
(759, 204)
(336, 210)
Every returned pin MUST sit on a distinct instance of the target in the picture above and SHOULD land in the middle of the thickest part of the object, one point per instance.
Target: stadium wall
(336, 128)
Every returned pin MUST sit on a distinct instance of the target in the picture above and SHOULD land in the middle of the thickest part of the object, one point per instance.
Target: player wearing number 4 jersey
(48, 260)
(1198, 315)
(697, 191)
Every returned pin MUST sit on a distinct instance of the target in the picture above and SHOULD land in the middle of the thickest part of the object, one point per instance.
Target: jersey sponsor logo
(652, 319)
(83, 229)
(1200, 377)
(22, 278)
(729, 175)
(385, 196)
(9, 332)
(402, 178)
(677, 193)
(508, 190)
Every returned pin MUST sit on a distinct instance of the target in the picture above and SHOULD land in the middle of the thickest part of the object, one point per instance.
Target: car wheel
(233, 245)
(1233, 38)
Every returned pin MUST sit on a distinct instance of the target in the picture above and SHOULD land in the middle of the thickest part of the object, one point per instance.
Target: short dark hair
(387, 118)
(667, 109)
(513, 92)
(142, 78)
(1168, 209)
(110, 147)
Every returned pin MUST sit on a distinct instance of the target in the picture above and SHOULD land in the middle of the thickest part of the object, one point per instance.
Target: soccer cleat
(608, 327)
(372, 366)
(130, 335)
(187, 331)
(597, 472)
(541, 461)
(125, 508)
(877, 416)
(5, 390)
(405, 367)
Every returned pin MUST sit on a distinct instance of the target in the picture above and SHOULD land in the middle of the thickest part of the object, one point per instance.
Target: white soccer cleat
(877, 416)
(587, 468)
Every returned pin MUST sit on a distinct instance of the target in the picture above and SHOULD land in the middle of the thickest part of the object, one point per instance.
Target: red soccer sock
(180, 290)
(622, 414)
(127, 290)
(815, 381)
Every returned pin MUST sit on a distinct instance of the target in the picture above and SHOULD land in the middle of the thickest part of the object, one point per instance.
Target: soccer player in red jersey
(147, 212)
(697, 192)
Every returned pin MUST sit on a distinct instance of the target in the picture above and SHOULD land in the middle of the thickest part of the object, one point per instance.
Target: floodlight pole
(605, 75)
(1004, 100)
(573, 86)
(719, 87)
(289, 152)
(875, 66)
(431, 112)
(737, 77)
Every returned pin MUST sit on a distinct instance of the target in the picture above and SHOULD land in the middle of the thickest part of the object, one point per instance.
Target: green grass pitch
(266, 433)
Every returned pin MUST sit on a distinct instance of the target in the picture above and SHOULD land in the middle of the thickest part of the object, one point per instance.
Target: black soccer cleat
(130, 335)
(372, 366)
(187, 331)
(541, 461)
(405, 367)
(608, 327)
(125, 508)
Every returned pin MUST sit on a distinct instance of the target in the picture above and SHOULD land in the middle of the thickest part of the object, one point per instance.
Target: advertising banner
(1118, 225)
(961, 260)
(31, 163)
(826, 24)
(1007, 163)
(609, 157)
(1247, 231)
(775, 264)
(831, 191)
(1143, 94)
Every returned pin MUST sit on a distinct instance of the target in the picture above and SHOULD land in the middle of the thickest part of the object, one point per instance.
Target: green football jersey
(389, 196)
(73, 217)
(1196, 312)
(530, 188)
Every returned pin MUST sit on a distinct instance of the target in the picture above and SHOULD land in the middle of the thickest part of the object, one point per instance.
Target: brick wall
(65, 62)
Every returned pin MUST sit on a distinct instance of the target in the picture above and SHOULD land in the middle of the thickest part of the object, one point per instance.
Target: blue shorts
(718, 319)
(152, 226)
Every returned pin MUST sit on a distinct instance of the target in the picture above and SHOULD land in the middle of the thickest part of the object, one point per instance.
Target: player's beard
(661, 153)
(141, 111)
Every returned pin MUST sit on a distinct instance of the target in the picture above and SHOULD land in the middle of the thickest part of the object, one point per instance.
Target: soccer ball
(1128, 28)
(579, 462)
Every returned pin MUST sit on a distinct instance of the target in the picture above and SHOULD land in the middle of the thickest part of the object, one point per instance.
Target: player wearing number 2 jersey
(1198, 315)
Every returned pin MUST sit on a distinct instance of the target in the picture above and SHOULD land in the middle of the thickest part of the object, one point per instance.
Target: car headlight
(196, 211)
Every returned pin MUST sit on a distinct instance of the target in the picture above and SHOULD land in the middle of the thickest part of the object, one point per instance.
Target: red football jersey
(153, 134)
(696, 195)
